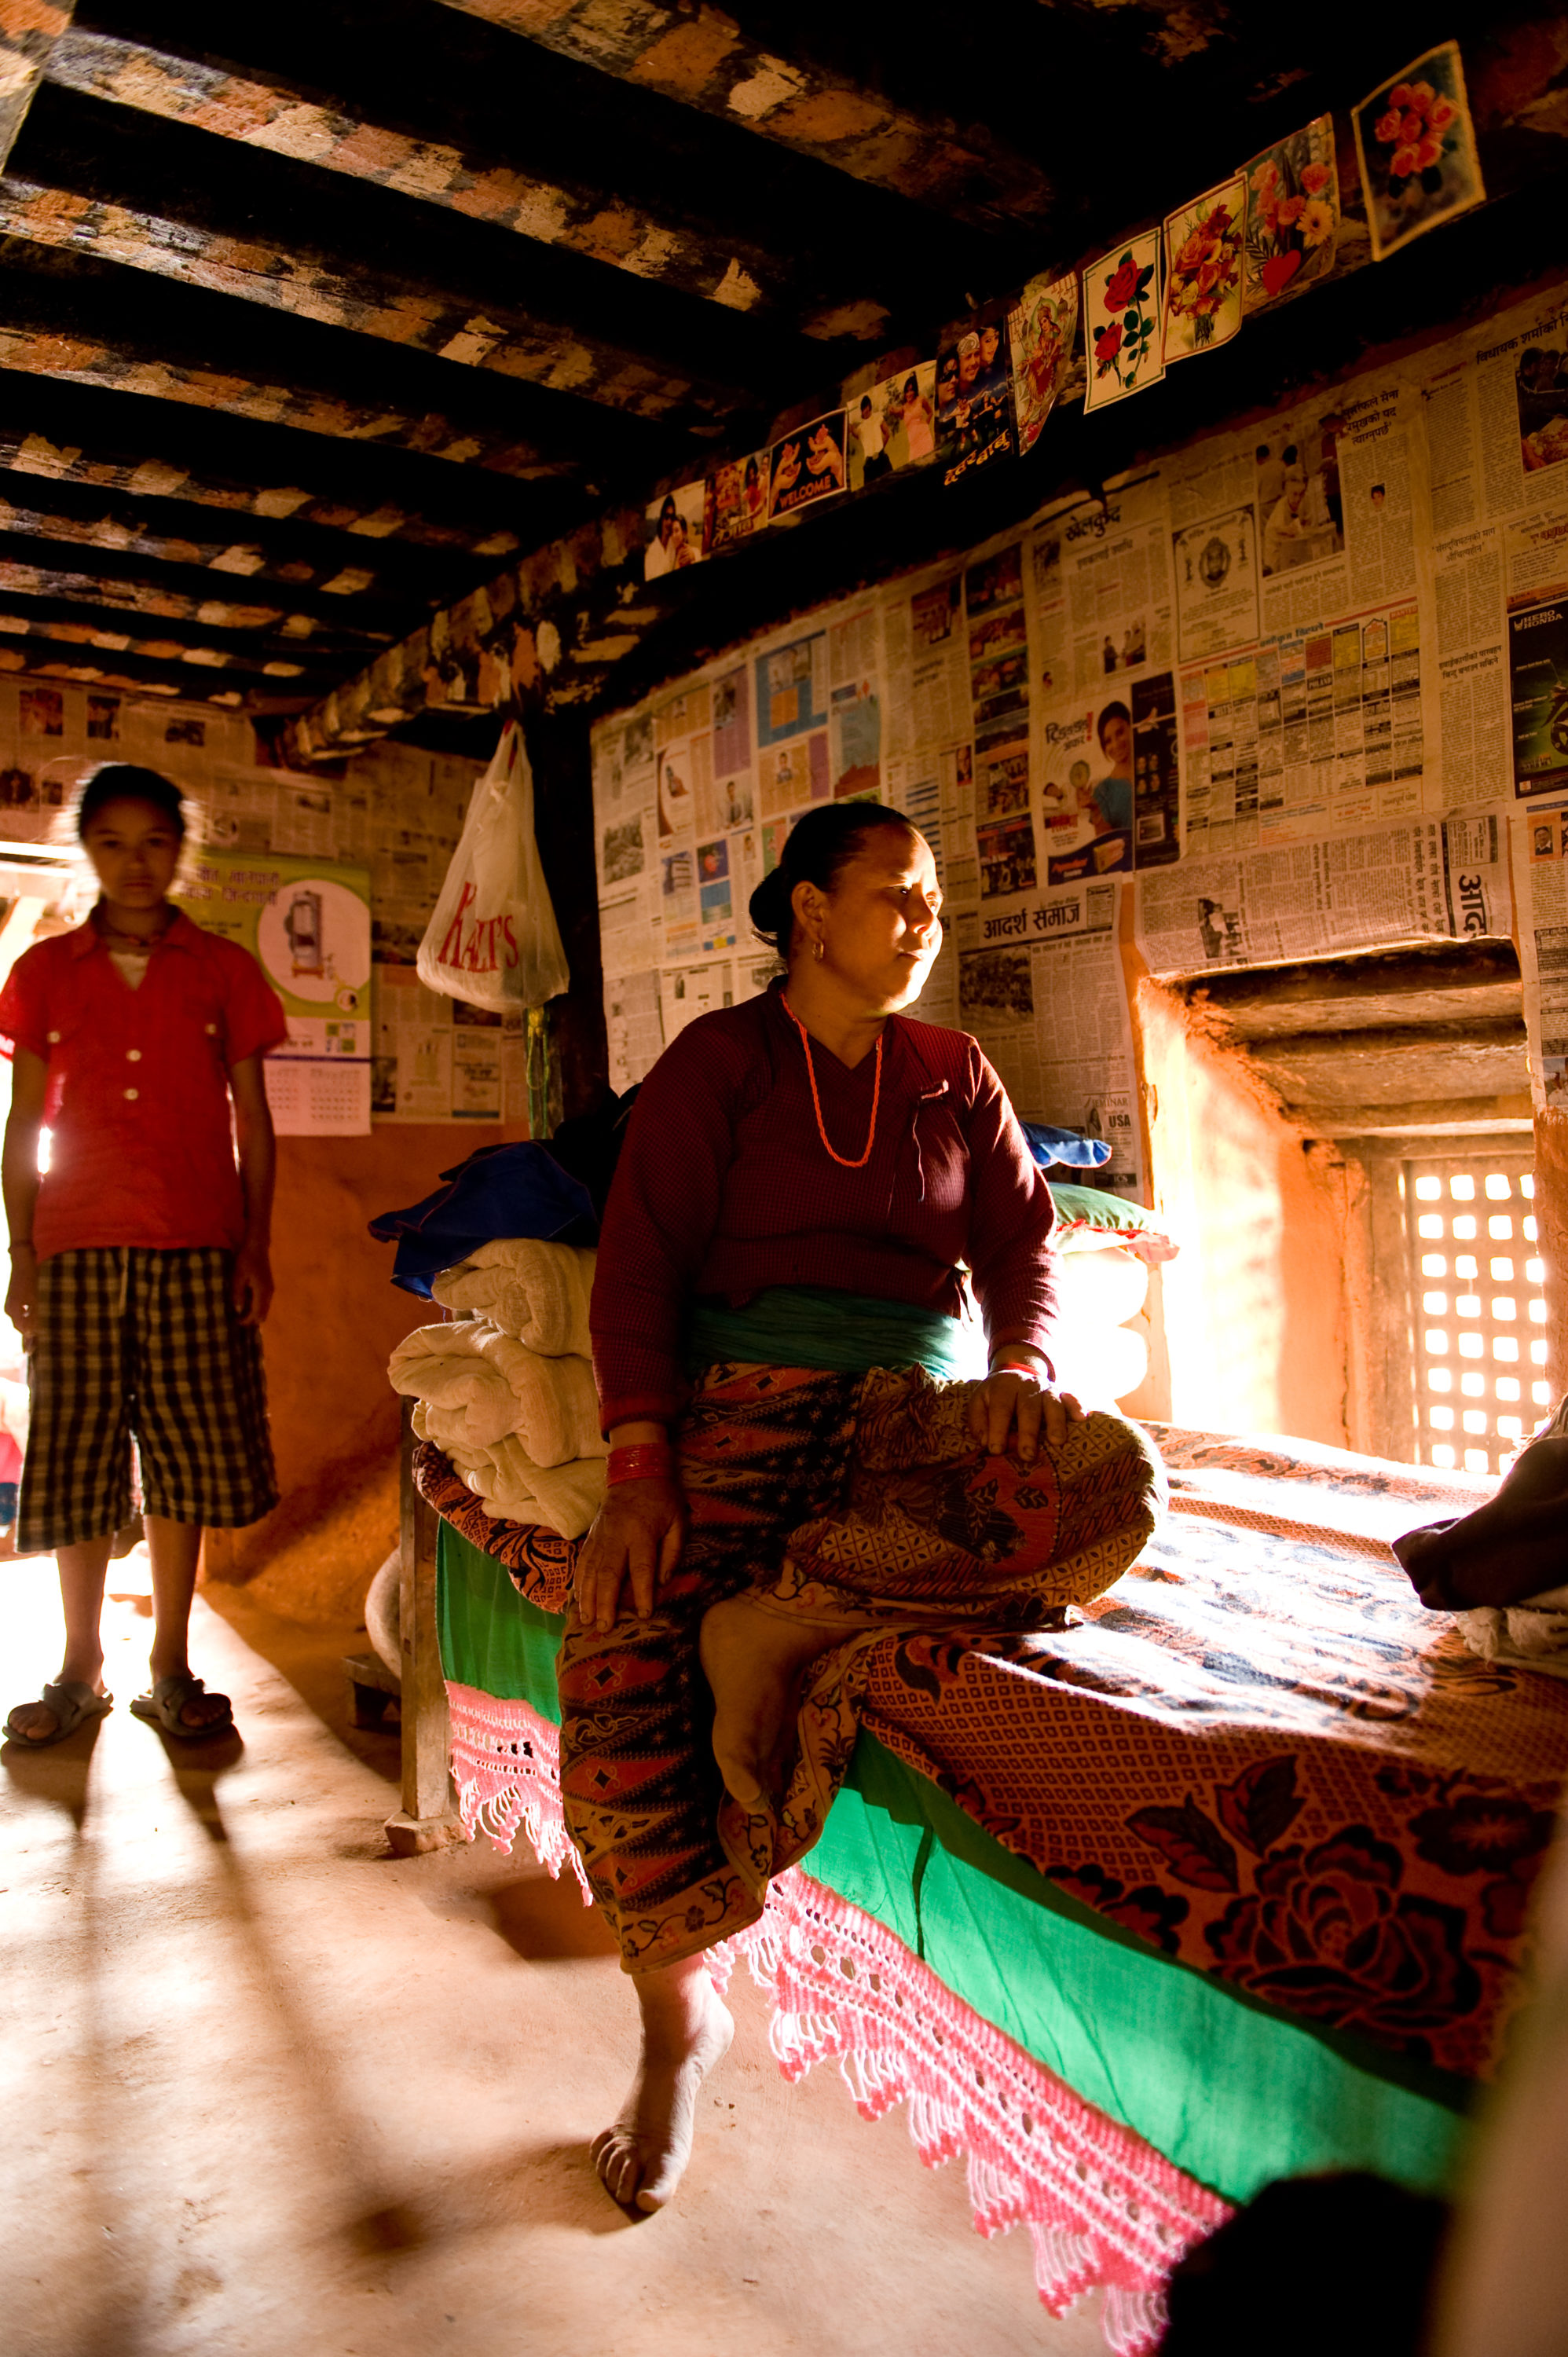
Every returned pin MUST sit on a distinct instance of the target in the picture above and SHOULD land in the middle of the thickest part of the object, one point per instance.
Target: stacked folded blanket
(507, 1390)
(538, 1292)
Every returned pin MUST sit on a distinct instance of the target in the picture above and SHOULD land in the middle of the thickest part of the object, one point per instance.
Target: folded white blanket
(512, 1487)
(537, 1291)
(479, 1384)
(446, 1367)
(1533, 1634)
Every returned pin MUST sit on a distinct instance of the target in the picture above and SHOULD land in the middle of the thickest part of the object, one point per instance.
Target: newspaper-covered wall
(1280, 691)
(396, 813)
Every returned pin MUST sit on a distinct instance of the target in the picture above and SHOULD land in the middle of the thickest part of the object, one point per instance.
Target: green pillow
(1089, 1216)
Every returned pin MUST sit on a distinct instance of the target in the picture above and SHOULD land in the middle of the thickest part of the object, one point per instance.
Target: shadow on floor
(56, 1773)
(546, 1922)
(310, 1657)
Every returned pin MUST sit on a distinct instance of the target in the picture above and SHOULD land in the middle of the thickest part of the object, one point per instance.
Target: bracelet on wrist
(642, 1460)
(1014, 1362)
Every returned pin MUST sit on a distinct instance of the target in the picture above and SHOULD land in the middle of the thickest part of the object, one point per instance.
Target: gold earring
(819, 952)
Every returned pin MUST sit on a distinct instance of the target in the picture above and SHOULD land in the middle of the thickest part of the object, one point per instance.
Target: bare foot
(35, 1722)
(753, 1661)
(686, 2032)
(196, 1709)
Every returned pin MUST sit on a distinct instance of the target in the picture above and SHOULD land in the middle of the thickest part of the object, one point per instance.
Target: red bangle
(1019, 1367)
(644, 1461)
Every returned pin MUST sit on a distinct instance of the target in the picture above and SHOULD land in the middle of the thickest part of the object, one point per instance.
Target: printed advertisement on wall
(307, 924)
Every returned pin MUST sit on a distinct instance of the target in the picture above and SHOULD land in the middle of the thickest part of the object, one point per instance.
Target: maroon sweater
(724, 1188)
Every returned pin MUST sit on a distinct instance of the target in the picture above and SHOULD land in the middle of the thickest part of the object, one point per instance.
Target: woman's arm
(664, 1209)
(660, 1220)
(1014, 1259)
(19, 1180)
(252, 1281)
(637, 1534)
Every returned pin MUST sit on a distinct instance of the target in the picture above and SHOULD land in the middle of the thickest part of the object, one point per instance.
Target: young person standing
(139, 1260)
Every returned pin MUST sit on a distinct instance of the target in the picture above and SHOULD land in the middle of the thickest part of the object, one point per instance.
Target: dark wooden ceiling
(313, 316)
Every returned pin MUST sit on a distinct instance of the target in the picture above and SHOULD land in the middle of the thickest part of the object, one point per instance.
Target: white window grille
(1479, 1310)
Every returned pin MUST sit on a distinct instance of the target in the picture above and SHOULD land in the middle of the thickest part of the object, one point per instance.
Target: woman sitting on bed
(796, 1469)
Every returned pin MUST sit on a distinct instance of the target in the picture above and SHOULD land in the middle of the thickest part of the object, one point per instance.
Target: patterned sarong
(854, 1500)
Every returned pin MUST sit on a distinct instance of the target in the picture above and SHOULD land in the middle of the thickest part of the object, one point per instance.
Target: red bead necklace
(842, 1161)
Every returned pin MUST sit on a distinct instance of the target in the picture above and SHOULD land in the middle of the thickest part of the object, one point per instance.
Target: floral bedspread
(1258, 1750)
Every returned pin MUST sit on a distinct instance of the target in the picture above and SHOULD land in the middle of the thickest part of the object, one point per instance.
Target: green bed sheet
(1233, 2091)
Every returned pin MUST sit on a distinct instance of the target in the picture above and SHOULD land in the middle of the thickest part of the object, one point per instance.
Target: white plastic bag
(493, 939)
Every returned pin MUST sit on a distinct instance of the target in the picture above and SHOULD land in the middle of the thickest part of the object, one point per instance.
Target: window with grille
(1480, 1313)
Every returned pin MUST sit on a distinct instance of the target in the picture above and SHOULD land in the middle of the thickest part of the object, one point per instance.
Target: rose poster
(1416, 148)
(1121, 321)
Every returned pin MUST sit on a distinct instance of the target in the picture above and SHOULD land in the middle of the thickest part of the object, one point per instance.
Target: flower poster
(1293, 215)
(1121, 321)
(807, 466)
(1203, 271)
(1041, 329)
(1416, 148)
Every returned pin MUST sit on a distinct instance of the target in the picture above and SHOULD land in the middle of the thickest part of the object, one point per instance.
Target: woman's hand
(22, 1294)
(1009, 1404)
(640, 1530)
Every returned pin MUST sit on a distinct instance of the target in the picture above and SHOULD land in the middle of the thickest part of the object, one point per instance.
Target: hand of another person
(1013, 1407)
(640, 1530)
(22, 1294)
(251, 1288)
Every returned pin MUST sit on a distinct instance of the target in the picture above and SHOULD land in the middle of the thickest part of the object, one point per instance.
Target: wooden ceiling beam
(702, 59)
(28, 31)
(139, 590)
(332, 136)
(152, 358)
(115, 529)
(499, 336)
(179, 654)
(235, 470)
(550, 628)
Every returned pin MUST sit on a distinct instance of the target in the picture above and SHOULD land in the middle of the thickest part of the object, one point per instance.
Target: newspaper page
(1431, 879)
(1282, 683)
(1540, 854)
(1299, 621)
(1043, 990)
(1496, 408)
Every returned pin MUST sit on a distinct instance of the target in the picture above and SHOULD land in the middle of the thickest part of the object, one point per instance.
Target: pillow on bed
(1050, 1146)
(1089, 1216)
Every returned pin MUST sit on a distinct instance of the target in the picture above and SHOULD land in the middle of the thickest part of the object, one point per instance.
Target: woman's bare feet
(753, 1661)
(686, 2032)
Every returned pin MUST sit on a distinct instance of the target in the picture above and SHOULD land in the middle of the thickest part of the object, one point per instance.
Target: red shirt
(724, 1187)
(142, 1149)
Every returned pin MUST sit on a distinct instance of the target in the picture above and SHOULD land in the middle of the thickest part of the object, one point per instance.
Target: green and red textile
(859, 1502)
(1239, 1861)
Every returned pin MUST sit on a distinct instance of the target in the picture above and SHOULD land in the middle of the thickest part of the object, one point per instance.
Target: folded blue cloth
(1050, 1146)
(501, 1191)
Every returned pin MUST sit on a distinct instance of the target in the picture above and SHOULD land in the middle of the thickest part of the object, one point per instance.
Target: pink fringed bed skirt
(1102, 2207)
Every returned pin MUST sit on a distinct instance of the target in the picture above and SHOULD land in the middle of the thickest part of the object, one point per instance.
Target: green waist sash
(842, 1333)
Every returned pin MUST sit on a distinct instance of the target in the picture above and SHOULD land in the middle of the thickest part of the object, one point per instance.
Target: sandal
(72, 1703)
(167, 1700)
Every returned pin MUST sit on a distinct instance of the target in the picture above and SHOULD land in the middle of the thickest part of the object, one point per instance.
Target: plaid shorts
(130, 1340)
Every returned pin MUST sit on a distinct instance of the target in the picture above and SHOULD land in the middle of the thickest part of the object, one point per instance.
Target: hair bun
(768, 907)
